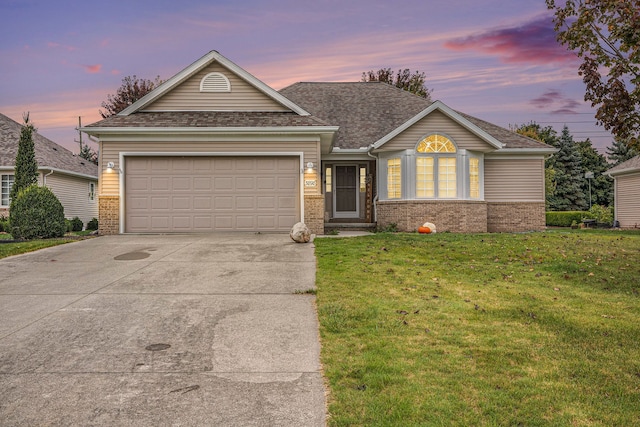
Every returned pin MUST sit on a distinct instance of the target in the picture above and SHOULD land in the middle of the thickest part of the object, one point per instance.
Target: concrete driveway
(156, 330)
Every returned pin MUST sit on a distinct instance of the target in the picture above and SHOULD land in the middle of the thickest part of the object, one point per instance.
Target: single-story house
(215, 149)
(626, 185)
(71, 178)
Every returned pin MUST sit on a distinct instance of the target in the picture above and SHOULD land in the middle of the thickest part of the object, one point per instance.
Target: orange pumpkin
(424, 230)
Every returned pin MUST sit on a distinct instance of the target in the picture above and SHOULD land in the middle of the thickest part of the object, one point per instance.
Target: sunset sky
(495, 59)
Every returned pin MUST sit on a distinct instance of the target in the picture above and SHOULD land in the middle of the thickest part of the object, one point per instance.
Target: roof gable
(453, 115)
(49, 155)
(198, 67)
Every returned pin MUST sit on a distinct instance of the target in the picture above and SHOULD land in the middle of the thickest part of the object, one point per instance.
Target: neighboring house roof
(49, 155)
(631, 165)
(374, 112)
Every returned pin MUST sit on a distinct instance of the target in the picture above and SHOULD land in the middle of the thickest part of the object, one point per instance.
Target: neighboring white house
(626, 184)
(72, 179)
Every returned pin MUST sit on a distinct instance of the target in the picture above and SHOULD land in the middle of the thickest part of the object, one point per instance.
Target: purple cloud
(554, 100)
(532, 42)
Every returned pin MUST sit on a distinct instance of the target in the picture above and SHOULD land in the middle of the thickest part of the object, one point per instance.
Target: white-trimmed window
(394, 178)
(474, 178)
(434, 153)
(7, 183)
(425, 183)
(215, 82)
(436, 169)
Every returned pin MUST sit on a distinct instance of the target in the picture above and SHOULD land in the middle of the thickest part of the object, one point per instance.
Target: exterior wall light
(110, 167)
(310, 167)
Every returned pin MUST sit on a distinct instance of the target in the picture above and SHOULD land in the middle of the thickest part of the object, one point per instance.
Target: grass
(535, 329)
(17, 248)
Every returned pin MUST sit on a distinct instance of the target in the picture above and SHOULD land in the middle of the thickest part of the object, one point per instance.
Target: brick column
(108, 214)
(314, 212)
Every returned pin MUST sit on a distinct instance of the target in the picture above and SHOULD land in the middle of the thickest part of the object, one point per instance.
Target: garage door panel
(186, 194)
(160, 184)
(223, 183)
(245, 183)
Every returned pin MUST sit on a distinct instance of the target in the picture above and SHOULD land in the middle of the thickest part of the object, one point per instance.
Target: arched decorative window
(436, 164)
(215, 82)
(436, 143)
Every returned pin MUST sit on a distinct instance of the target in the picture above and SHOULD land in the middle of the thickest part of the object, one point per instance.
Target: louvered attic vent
(215, 82)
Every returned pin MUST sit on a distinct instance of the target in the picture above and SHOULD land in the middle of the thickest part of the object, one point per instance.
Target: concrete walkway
(191, 330)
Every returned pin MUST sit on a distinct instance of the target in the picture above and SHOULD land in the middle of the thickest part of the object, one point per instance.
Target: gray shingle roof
(187, 119)
(511, 139)
(630, 165)
(48, 153)
(367, 111)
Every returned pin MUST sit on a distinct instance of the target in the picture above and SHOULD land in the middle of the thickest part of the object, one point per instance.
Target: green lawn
(539, 329)
(17, 248)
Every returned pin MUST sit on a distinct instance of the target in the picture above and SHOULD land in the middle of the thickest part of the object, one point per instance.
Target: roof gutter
(44, 178)
(66, 172)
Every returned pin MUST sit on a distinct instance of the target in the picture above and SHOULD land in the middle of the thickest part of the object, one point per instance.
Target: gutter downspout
(375, 198)
(44, 178)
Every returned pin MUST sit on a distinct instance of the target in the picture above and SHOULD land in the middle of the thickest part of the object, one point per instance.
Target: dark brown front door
(346, 191)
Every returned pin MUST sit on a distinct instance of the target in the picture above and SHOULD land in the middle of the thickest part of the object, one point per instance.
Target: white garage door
(201, 194)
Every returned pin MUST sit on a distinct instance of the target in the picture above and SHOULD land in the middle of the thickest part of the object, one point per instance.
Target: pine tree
(620, 152)
(26, 169)
(569, 177)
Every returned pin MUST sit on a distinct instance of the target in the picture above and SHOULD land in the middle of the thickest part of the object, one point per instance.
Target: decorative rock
(300, 233)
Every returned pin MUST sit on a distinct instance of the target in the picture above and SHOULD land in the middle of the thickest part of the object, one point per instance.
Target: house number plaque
(310, 182)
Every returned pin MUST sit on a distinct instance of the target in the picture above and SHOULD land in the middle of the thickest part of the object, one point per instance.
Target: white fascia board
(439, 105)
(276, 134)
(67, 172)
(199, 65)
(622, 172)
(513, 152)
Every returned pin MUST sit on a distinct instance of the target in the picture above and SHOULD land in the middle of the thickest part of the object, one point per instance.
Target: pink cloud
(55, 45)
(554, 100)
(93, 69)
(115, 72)
(532, 42)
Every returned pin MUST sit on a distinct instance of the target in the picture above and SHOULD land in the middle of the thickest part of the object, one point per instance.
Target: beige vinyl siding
(628, 200)
(73, 193)
(243, 96)
(110, 153)
(513, 180)
(437, 122)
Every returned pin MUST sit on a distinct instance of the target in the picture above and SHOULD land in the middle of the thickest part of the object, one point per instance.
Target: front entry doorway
(346, 195)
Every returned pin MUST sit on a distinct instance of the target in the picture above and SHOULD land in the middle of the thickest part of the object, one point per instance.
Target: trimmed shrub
(76, 224)
(565, 218)
(93, 224)
(602, 214)
(36, 213)
(4, 224)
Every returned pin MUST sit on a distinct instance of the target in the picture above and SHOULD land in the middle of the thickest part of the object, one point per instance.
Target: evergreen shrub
(93, 224)
(36, 213)
(76, 224)
(565, 218)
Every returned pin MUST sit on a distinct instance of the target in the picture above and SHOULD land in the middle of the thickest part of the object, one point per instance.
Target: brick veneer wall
(460, 216)
(314, 213)
(108, 214)
(515, 216)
